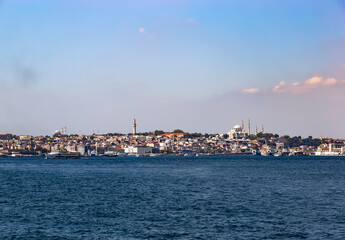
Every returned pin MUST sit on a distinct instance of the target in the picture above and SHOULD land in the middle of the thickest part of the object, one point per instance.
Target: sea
(211, 197)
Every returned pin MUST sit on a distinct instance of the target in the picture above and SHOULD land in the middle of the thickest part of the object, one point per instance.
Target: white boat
(62, 155)
(154, 155)
(121, 154)
(110, 154)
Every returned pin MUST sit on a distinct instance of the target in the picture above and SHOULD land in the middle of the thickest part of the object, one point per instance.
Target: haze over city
(200, 66)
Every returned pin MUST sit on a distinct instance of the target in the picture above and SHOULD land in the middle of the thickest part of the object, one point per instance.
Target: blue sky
(196, 65)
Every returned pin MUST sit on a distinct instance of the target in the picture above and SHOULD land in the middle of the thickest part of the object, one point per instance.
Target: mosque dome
(237, 127)
(57, 132)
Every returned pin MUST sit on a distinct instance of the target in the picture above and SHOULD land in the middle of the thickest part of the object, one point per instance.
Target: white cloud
(308, 85)
(141, 30)
(251, 90)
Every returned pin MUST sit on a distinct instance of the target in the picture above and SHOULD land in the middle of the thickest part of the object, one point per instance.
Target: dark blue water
(173, 198)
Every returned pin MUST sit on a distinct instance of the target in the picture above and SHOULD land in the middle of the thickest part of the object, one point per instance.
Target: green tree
(178, 131)
(159, 132)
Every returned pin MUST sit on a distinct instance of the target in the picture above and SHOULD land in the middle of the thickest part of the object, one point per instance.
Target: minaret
(134, 127)
(242, 126)
(262, 129)
(248, 127)
(256, 130)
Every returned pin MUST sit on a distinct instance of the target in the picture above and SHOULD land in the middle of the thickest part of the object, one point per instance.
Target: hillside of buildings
(158, 142)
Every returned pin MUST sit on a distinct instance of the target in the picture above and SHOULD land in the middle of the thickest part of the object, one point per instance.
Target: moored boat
(110, 154)
(63, 155)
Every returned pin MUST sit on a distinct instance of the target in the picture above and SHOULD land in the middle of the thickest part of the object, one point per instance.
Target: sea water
(173, 198)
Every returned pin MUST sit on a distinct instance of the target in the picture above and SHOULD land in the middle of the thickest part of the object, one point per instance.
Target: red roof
(175, 134)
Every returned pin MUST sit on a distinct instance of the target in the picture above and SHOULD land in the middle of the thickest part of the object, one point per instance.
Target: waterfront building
(138, 150)
(332, 149)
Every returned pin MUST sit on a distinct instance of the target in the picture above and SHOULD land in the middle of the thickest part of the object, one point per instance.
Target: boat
(63, 155)
(278, 154)
(93, 153)
(121, 154)
(110, 154)
(256, 153)
(154, 155)
(133, 155)
(15, 155)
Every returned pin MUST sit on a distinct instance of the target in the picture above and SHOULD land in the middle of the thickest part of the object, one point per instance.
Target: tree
(178, 131)
(159, 132)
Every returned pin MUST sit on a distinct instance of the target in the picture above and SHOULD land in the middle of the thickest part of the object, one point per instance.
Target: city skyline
(200, 66)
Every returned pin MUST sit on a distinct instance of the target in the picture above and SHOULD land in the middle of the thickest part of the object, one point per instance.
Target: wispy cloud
(147, 34)
(141, 30)
(308, 85)
(251, 90)
(305, 86)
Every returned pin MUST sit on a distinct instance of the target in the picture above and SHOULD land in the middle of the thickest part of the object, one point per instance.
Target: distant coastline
(176, 143)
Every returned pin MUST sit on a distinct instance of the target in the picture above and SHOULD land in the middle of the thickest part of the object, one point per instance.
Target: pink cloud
(251, 90)
(305, 86)
(308, 85)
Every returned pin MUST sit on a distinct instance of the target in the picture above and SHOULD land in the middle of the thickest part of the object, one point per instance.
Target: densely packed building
(236, 142)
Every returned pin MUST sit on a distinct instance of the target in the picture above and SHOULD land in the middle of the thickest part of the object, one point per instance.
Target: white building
(334, 149)
(138, 150)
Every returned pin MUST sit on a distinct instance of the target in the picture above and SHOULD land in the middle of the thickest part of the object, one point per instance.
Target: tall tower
(248, 127)
(134, 127)
(242, 126)
(256, 130)
(262, 129)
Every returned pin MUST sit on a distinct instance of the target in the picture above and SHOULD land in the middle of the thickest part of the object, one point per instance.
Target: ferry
(110, 154)
(62, 155)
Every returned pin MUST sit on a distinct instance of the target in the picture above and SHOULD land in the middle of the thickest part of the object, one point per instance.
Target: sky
(196, 65)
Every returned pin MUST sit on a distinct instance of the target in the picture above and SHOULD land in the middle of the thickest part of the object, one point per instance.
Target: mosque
(238, 132)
